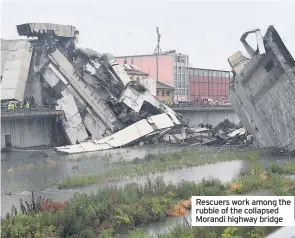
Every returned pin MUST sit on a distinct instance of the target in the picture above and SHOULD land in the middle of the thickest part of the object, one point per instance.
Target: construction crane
(158, 51)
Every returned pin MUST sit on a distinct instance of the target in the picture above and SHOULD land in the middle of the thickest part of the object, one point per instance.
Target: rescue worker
(32, 101)
(17, 105)
(27, 105)
(11, 106)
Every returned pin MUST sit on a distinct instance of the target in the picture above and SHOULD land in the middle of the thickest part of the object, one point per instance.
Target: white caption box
(243, 211)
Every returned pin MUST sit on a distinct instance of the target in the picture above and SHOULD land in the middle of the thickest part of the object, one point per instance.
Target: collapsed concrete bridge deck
(97, 96)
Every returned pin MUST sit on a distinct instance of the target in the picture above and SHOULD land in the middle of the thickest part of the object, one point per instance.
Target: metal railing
(23, 109)
(198, 105)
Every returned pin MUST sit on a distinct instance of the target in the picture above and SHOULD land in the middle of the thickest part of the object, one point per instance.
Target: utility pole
(157, 51)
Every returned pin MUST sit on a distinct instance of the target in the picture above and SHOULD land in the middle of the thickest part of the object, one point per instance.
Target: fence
(198, 105)
(4, 108)
(34, 112)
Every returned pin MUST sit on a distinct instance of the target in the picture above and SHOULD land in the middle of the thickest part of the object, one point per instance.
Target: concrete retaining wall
(214, 117)
(29, 132)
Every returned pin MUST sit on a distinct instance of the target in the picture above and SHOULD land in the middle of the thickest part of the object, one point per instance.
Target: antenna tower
(158, 48)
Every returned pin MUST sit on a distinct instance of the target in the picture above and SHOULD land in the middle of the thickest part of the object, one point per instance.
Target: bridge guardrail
(197, 105)
(4, 109)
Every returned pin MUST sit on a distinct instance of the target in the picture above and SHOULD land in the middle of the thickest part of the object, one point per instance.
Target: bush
(108, 233)
(276, 168)
(24, 226)
(112, 208)
(138, 233)
(185, 231)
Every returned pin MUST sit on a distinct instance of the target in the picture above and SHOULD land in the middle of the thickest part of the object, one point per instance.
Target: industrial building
(189, 83)
(169, 67)
(209, 83)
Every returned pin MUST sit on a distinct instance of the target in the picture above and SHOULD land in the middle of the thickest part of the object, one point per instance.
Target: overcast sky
(208, 32)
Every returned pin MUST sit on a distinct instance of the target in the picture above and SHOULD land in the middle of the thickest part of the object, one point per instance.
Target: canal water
(21, 174)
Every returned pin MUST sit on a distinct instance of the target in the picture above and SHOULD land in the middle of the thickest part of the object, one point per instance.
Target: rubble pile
(225, 126)
(226, 133)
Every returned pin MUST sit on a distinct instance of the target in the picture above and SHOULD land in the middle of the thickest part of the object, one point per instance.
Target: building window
(227, 75)
(206, 73)
(163, 93)
(201, 72)
(137, 79)
(168, 93)
(214, 74)
(157, 92)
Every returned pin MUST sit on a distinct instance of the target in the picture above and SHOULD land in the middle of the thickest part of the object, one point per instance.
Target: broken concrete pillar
(72, 123)
(16, 71)
(262, 93)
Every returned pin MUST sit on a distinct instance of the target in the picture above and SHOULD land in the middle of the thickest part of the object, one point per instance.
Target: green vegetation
(282, 168)
(112, 210)
(25, 226)
(116, 210)
(185, 231)
(155, 164)
(274, 177)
